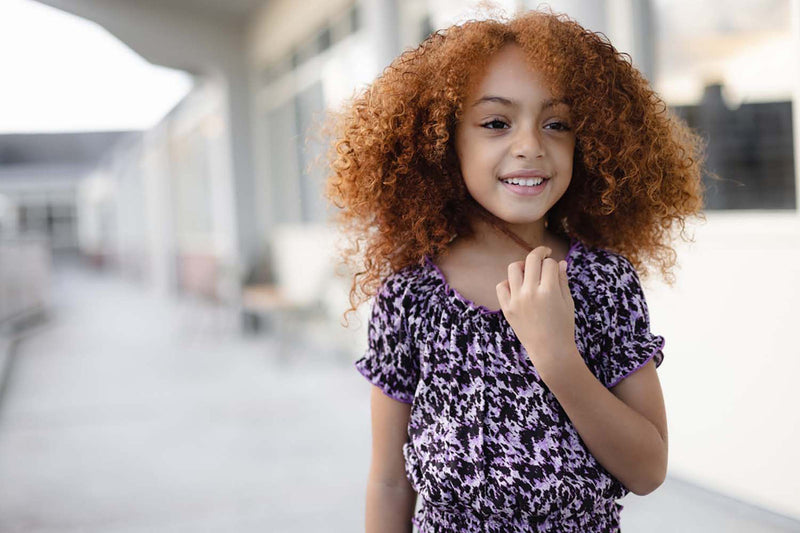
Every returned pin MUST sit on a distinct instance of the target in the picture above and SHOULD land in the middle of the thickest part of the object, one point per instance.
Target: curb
(7, 345)
(12, 331)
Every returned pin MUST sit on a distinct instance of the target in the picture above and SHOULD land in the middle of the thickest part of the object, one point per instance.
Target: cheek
(567, 157)
(481, 155)
(470, 156)
(462, 154)
(473, 174)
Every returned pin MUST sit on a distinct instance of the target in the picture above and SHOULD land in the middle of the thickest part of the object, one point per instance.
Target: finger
(515, 276)
(533, 265)
(503, 293)
(564, 280)
(550, 273)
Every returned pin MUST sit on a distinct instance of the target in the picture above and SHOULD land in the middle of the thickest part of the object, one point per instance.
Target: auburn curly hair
(394, 175)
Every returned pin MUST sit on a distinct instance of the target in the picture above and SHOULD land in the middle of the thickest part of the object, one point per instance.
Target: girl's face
(514, 142)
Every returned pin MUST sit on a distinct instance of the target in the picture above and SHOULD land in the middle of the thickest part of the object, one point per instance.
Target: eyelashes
(492, 124)
(562, 126)
(498, 124)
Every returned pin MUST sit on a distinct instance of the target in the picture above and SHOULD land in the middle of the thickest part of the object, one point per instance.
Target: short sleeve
(390, 362)
(630, 343)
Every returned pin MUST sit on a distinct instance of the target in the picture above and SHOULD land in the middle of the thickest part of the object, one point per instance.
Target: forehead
(510, 74)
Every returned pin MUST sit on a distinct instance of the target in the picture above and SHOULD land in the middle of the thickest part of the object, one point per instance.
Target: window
(294, 148)
(331, 33)
(283, 174)
(728, 73)
(309, 106)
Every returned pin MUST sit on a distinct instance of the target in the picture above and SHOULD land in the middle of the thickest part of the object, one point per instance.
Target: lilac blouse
(489, 447)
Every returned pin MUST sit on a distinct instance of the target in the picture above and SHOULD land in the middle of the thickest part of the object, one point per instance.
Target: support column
(631, 30)
(381, 18)
(796, 104)
(241, 153)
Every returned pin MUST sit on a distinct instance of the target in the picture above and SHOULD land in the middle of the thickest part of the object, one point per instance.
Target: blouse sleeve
(389, 362)
(631, 344)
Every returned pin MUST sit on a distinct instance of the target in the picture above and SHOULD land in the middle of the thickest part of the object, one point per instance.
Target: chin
(521, 220)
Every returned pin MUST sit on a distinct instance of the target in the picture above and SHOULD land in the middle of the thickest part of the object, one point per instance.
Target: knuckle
(527, 292)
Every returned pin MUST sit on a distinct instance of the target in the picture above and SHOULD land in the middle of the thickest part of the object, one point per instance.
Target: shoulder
(402, 299)
(602, 270)
(404, 288)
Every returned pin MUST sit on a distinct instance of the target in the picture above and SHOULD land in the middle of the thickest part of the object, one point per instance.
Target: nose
(527, 144)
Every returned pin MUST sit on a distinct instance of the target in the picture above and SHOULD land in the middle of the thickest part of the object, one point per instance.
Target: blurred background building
(213, 191)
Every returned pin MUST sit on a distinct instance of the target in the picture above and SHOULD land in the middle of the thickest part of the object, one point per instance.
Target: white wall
(732, 359)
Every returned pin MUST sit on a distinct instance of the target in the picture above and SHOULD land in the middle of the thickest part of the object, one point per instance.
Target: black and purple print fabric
(489, 447)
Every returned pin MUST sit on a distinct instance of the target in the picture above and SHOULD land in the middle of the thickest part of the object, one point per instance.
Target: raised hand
(536, 301)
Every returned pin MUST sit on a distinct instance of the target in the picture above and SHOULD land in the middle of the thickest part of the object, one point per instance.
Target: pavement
(128, 412)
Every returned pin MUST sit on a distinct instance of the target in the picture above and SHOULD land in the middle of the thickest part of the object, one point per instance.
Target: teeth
(530, 182)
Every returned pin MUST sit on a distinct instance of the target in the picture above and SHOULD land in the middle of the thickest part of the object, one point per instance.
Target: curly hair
(394, 175)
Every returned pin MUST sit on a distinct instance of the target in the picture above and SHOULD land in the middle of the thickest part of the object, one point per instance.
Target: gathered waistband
(432, 518)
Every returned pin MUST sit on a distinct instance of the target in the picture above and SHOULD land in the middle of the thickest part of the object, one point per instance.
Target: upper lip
(525, 174)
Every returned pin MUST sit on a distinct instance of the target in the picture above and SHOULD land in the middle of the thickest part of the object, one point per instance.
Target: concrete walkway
(130, 413)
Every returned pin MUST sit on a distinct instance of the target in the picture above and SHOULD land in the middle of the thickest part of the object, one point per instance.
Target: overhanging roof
(84, 148)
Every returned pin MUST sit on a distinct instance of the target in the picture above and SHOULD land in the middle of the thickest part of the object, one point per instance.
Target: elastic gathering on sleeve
(631, 344)
(389, 361)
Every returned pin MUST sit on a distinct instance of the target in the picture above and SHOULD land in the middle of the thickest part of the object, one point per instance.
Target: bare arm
(390, 497)
(625, 427)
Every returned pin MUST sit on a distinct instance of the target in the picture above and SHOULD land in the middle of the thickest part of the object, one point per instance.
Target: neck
(501, 239)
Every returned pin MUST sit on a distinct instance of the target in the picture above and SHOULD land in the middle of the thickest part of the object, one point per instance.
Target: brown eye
(558, 126)
(495, 124)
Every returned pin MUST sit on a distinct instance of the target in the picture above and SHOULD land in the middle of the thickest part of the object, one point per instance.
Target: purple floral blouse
(489, 447)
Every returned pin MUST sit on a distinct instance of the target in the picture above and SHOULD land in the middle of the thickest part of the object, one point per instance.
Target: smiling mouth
(525, 182)
(525, 187)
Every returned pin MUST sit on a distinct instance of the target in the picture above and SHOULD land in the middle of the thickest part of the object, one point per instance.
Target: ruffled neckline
(465, 304)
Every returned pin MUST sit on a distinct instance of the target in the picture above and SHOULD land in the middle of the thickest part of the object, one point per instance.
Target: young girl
(502, 183)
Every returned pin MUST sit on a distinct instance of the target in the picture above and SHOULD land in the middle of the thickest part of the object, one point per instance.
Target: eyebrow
(550, 102)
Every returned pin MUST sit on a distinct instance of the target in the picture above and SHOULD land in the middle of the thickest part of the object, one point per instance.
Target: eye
(495, 124)
(557, 126)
